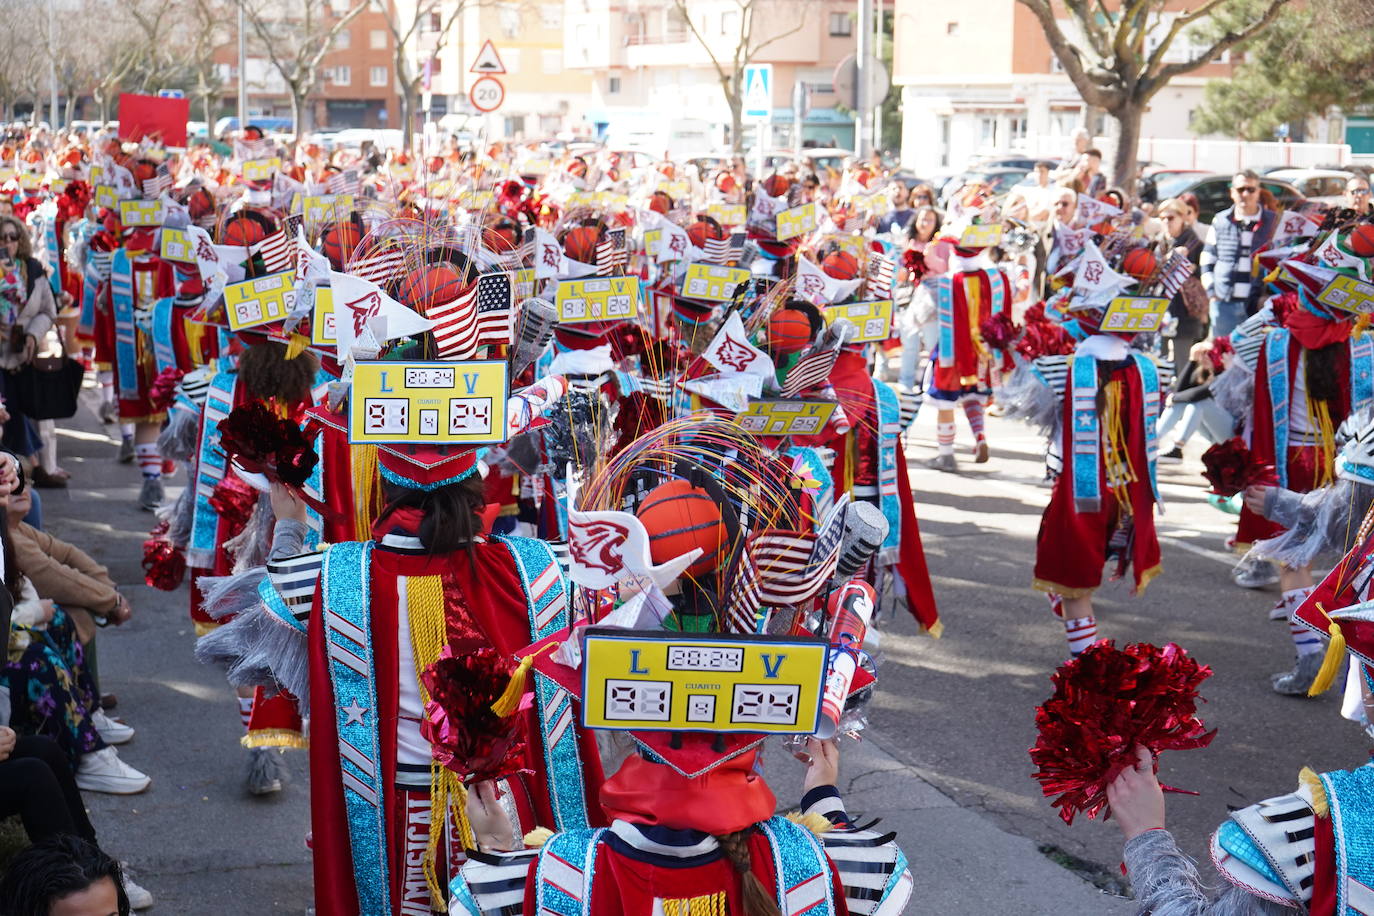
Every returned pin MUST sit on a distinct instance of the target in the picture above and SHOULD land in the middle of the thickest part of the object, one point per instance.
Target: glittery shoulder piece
(1268, 848)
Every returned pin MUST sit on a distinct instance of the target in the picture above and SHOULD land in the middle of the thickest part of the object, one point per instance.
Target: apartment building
(542, 97)
(653, 84)
(356, 86)
(978, 77)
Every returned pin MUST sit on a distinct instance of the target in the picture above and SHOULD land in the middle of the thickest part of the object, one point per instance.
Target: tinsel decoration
(915, 264)
(1106, 703)
(164, 564)
(1220, 349)
(1042, 337)
(999, 331)
(234, 501)
(1230, 467)
(164, 389)
(262, 442)
(466, 736)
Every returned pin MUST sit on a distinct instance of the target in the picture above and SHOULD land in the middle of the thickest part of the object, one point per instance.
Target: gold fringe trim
(816, 823)
(275, 737)
(703, 905)
(363, 459)
(151, 418)
(1241, 549)
(1063, 591)
(205, 627)
(936, 629)
(1147, 577)
(1320, 806)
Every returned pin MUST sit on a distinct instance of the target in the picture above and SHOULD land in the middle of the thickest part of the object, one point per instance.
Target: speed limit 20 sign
(487, 94)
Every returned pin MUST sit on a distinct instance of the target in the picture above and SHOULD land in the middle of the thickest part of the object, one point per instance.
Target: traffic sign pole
(861, 87)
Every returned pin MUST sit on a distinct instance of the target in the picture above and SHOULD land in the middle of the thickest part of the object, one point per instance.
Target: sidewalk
(202, 845)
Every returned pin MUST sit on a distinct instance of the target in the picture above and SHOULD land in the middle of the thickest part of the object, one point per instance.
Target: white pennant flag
(1092, 211)
(607, 547)
(674, 244)
(362, 305)
(548, 254)
(1329, 254)
(818, 287)
(732, 353)
(1291, 225)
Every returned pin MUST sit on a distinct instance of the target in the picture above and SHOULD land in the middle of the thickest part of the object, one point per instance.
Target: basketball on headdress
(680, 517)
(339, 241)
(242, 231)
(704, 229)
(776, 185)
(580, 243)
(429, 287)
(502, 237)
(1361, 240)
(789, 331)
(660, 202)
(1139, 263)
(841, 265)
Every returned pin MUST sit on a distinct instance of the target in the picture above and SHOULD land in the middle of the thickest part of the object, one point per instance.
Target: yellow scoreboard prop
(785, 417)
(872, 318)
(323, 333)
(1138, 314)
(983, 235)
(597, 299)
(727, 214)
(140, 212)
(651, 680)
(712, 283)
(176, 246)
(260, 301)
(796, 221)
(1349, 294)
(435, 403)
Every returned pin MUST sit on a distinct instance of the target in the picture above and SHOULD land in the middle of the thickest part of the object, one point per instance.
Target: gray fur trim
(224, 596)
(1234, 390)
(256, 649)
(180, 438)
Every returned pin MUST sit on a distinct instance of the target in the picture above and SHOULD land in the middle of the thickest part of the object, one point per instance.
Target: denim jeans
(1226, 315)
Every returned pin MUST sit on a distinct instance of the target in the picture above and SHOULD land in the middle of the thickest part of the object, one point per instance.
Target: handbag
(46, 387)
(1195, 298)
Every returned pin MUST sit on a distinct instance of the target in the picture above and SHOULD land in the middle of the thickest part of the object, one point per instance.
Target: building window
(511, 58)
(343, 40)
(436, 21)
(376, 39)
(729, 22)
(379, 76)
(342, 75)
(551, 15)
(951, 28)
(509, 15)
(841, 25)
(613, 86)
(551, 61)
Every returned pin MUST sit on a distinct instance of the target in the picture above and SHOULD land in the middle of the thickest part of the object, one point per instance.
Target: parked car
(1214, 192)
(1324, 186)
(1003, 162)
(998, 179)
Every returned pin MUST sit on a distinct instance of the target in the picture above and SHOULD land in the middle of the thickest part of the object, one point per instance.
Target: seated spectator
(67, 875)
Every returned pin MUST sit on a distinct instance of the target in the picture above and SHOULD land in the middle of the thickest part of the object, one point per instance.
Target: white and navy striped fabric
(497, 883)
(1226, 257)
(293, 578)
(870, 864)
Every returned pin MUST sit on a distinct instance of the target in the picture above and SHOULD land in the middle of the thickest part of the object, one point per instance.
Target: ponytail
(757, 900)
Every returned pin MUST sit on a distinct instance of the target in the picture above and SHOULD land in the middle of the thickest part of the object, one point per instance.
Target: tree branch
(1155, 81)
(1090, 86)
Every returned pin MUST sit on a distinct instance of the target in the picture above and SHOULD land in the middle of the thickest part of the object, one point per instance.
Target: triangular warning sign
(488, 61)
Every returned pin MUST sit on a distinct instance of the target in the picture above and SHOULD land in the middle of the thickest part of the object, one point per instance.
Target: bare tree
(208, 29)
(296, 35)
(780, 19)
(1119, 58)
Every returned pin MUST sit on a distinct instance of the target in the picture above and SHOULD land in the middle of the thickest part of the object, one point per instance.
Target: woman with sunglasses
(27, 312)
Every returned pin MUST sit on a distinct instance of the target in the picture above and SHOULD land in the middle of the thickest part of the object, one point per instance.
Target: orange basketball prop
(243, 231)
(680, 517)
(1361, 240)
(339, 242)
(580, 243)
(431, 287)
(1139, 263)
(841, 265)
(789, 331)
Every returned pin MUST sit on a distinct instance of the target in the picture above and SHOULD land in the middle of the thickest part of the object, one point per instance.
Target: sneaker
(980, 452)
(126, 451)
(150, 497)
(112, 730)
(1173, 455)
(1254, 573)
(944, 462)
(1296, 682)
(139, 898)
(103, 771)
(109, 413)
(266, 771)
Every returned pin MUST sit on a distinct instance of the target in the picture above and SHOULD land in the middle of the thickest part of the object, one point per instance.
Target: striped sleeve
(292, 583)
(872, 868)
(491, 884)
(1209, 257)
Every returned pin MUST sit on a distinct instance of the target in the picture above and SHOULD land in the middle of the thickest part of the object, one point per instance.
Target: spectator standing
(1234, 236)
(1357, 195)
(1188, 307)
(902, 212)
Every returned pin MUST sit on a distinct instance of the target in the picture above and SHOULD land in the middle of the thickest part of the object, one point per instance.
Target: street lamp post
(52, 64)
(243, 74)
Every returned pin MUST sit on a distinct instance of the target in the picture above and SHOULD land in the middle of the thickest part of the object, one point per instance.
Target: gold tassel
(274, 737)
(816, 823)
(1320, 806)
(509, 700)
(1331, 664)
(364, 466)
(296, 345)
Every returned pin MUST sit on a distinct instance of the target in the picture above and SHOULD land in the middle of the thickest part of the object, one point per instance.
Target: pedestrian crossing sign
(757, 94)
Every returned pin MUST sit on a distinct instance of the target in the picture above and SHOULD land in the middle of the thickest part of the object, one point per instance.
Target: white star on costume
(354, 713)
(1085, 420)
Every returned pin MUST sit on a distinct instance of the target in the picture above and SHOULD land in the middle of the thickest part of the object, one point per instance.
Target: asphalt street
(945, 759)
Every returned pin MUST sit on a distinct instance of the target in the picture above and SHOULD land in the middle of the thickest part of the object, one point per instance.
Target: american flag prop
(378, 266)
(811, 370)
(477, 318)
(345, 182)
(716, 251)
(612, 254)
(879, 276)
(278, 250)
(253, 149)
(746, 597)
(1174, 272)
(159, 184)
(790, 568)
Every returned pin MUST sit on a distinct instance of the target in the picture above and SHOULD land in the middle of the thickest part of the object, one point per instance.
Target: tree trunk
(409, 105)
(1126, 164)
(736, 120)
(297, 115)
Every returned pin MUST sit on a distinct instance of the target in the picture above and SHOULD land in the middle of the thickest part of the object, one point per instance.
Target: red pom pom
(1106, 703)
(234, 501)
(164, 564)
(260, 441)
(1230, 467)
(998, 331)
(915, 263)
(466, 736)
(164, 388)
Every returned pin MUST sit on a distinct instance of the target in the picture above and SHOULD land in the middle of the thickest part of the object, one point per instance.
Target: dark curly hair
(58, 867)
(270, 376)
